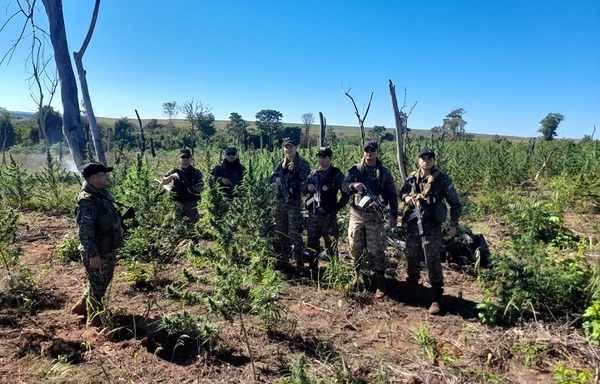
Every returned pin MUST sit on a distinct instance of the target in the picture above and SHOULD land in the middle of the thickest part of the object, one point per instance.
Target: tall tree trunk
(87, 101)
(323, 125)
(72, 127)
(400, 119)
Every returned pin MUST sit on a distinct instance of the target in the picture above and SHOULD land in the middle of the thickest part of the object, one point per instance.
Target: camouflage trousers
(433, 249)
(323, 225)
(98, 279)
(288, 224)
(367, 238)
(187, 210)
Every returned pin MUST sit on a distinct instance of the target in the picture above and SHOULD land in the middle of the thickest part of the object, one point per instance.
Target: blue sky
(507, 63)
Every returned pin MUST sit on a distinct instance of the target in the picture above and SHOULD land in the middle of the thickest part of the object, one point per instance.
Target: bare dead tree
(401, 120)
(142, 137)
(547, 159)
(192, 110)
(323, 126)
(87, 101)
(42, 80)
(72, 125)
(361, 119)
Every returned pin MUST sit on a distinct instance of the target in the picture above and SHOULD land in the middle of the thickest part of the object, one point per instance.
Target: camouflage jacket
(441, 189)
(99, 222)
(378, 179)
(293, 180)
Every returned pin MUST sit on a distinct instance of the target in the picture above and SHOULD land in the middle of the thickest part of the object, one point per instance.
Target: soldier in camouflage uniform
(323, 205)
(372, 188)
(100, 235)
(289, 177)
(428, 187)
(188, 183)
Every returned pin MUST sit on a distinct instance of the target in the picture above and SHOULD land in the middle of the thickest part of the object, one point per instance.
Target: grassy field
(340, 130)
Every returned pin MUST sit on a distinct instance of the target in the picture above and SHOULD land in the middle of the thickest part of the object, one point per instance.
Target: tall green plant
(14, 184)
(52, 186)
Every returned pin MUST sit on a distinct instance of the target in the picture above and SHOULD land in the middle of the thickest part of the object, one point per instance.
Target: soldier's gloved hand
(225, 181)
(311, 188)
(450, 231)
(409, 200)
(278, 182)
(95, 262)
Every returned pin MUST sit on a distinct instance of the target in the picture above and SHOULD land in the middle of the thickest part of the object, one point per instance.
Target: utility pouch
(441, 213)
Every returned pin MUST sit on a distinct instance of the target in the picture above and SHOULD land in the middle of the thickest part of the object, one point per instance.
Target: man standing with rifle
(424, 213)
(188, 183)
(288, 178)
(372, 188)
(323, 205)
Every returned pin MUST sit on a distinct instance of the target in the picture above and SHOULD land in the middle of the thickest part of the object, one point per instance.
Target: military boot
(436, 305)
(80, 307)
(380, 292)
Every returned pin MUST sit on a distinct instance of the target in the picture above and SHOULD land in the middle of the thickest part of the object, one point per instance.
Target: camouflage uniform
(322, 221)
(433, 216)
(100, 234)
(288, 209)
(366, 232)
(182, 192)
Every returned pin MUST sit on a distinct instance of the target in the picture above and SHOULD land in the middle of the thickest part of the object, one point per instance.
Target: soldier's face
(99, 180)
(324, 161)
(426, 162)
(370, 154)
(290, 151)
(184, 161)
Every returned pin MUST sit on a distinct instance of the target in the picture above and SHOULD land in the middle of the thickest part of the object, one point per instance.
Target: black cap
(427, 152)
(231, 150)
(90, 169)
(325, 151)
(185, 153)
(372, 144)
(289, 141)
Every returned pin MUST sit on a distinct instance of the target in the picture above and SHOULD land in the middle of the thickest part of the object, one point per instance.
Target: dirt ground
(348, 338)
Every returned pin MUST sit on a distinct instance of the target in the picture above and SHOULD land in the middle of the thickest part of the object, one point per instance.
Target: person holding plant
(229, 173)
(423, 193)
(372, 188)
(288, 179)
(188, 183)
(100, 232)
(323, 187)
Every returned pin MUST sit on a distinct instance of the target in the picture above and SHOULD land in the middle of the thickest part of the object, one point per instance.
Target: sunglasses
(370, 149)
(231, 153)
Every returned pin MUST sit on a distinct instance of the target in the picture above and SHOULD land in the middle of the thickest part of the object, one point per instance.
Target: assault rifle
(284, 189)
(370, 199)
(417, 214)
(315, 200)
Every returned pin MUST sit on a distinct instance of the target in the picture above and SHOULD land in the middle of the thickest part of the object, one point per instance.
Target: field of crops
(208, 305)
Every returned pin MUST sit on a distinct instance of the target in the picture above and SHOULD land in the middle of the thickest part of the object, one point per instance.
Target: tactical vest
(328, 197)
(181, 188)
(108, 228)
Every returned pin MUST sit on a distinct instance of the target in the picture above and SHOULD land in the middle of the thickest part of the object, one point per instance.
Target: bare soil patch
(352, 336)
